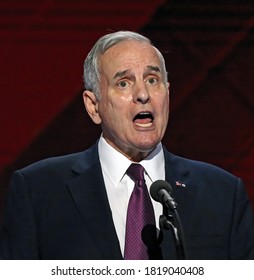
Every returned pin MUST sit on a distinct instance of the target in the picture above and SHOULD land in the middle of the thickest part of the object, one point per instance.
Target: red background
(208, 47)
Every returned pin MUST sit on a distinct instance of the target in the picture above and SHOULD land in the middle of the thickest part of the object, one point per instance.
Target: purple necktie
(140, 223)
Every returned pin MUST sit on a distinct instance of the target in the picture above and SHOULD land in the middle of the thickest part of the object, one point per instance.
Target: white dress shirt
(119, 186)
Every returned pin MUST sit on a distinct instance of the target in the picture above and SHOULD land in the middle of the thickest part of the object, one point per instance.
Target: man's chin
(147, 144)
(146, 148)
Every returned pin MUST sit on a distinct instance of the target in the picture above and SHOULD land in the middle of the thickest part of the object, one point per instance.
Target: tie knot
(136, 172)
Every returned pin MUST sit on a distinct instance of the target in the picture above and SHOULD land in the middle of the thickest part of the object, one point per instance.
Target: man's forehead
(141, 56)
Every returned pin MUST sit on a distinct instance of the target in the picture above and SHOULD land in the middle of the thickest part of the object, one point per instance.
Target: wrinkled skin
(133, 107)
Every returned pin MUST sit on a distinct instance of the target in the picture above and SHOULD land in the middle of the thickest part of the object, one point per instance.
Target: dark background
(208, 47)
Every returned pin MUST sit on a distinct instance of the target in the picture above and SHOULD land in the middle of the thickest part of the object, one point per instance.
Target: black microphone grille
(157, 186)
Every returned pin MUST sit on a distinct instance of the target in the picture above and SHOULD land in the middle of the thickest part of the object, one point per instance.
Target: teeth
(144, 124)
(144, 115)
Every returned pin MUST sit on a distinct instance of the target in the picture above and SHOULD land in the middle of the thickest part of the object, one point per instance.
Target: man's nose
(141, 94)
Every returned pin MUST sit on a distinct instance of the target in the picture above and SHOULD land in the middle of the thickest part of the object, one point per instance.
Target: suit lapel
(178, 175)
(89, 193)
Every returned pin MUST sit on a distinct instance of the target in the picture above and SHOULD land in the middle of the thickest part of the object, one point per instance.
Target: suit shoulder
(54, 172)
(53, 162)
(62, 164)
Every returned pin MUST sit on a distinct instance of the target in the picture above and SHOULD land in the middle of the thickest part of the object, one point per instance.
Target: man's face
(134, 98)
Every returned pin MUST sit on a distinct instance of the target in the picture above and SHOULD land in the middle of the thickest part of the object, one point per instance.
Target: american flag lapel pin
(180, 184)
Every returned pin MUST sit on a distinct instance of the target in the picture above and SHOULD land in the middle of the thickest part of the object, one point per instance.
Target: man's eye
(152, 80)
(122, 84)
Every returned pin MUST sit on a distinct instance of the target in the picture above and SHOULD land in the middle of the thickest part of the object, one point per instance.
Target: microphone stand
(170, 220)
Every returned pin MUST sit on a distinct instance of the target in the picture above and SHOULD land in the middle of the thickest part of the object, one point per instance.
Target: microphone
(161, 191)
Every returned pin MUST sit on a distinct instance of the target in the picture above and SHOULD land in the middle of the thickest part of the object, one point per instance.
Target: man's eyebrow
(153, 68)
(149, 68)
(120, 74)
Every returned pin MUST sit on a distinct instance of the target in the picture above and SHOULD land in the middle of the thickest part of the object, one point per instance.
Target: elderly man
(96, 205)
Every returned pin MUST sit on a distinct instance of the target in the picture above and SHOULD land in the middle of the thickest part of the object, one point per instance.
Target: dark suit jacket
(58, 209)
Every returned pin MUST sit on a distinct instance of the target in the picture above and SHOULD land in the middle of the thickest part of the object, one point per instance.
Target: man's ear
(91, 104)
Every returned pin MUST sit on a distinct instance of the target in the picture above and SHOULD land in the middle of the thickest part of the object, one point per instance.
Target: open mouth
(144, 119)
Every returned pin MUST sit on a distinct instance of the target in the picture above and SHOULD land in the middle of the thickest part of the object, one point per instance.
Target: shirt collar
(114, 164)
(154, 164)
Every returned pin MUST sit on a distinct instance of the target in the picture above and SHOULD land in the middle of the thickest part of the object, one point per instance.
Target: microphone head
(157, 186)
